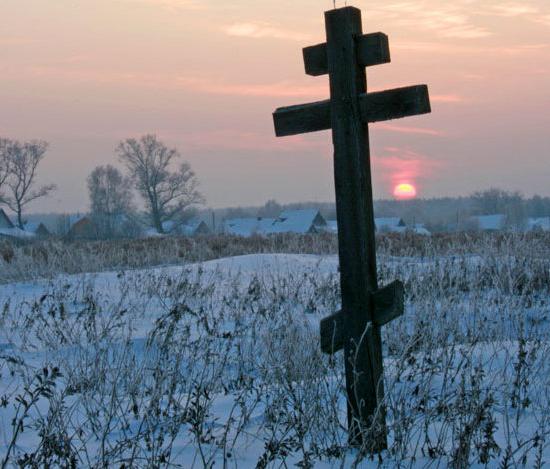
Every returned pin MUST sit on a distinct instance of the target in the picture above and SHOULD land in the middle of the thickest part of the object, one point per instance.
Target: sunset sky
(205, 76)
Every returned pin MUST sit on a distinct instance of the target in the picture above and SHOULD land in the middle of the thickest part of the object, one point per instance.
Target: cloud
(514, 9)
(283, 89)
(274, 90)
(259, 30)
(16, 41)
(473, 49)
(399, 165)
(452, 20)
(232, 139)
(543, 19)
(410, 130)
(446, 98)
(170, 4)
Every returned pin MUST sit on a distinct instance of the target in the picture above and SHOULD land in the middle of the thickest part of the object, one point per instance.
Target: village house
(83, 228)
(289, 221)
(248, 226)
(9, 230)
(495, 222)
(538, 224)
(304, 221)
(38, 229)
(390, 225)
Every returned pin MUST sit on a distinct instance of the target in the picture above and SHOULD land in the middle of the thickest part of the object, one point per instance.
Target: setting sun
(404, 191)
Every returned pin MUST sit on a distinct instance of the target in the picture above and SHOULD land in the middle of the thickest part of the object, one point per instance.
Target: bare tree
(167, 193)
(110, 199)
(4, 172)
(22, 161)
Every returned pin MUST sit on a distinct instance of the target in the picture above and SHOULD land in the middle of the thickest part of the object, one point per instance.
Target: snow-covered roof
(490, 222)
(193, 227)
(248, 226)
(16, 233)
(298, 221)
(5, 221)
(332, 226)
(420, 229)
(388, 223)
(75, 218)
(541, 223)
(34, 226)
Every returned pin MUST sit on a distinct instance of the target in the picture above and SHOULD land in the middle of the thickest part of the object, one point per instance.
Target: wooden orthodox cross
(365, 307)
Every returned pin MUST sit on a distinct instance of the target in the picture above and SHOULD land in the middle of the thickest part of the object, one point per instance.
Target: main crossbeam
(374, 107)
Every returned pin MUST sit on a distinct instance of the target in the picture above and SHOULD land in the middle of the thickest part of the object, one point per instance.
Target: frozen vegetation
(218, 363)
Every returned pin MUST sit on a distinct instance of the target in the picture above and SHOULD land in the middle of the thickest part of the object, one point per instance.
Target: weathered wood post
(365, 308)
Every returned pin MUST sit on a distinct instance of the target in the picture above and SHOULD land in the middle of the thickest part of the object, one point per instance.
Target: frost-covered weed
(198, 367)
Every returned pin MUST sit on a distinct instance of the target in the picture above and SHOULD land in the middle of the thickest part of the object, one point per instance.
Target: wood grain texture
(374, 107)
(395, 104)
(356, 242)
(302, 118)
(371, 49)
(388, 303)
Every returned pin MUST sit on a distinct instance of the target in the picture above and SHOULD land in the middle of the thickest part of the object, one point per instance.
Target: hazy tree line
(438, 214)
(18, 169)
(167, 190)
(167, 186)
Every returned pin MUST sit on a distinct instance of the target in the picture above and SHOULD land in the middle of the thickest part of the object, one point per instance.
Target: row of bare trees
(167, 186)
(18, 170)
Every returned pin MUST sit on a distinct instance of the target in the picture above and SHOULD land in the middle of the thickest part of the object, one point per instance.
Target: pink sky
(205, 75)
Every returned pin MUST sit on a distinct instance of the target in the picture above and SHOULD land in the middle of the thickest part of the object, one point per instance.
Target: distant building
(386, 225)
(194, 227)
(83, 228)
(538, 224)
(5, 222)
(332, 226)
(289, 221)
(248, 226)
(419, 229)
(390, 225)
(494, 222)
(38, 229)
(9, 230)
(299, 221)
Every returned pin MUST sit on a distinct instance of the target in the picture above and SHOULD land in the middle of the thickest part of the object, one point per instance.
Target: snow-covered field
(219, 364)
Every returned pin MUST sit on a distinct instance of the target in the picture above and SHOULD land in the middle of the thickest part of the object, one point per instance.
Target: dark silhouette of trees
(21, 161)
(168, 193)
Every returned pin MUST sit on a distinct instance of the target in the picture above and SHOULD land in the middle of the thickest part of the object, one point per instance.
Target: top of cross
(370, 49)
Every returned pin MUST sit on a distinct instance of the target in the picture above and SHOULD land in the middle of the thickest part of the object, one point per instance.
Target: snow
(248, 226)
(117, 323)
(16, 233)
(541, 223)
(490, 222)
(296, 221)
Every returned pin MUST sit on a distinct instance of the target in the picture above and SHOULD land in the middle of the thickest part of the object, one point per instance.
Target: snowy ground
(219, 363)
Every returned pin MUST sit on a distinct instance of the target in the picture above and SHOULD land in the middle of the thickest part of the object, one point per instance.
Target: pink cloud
(260, 30)
(282, 89)
(410, 130)
(446, 98)
(232, 139)
(403, 165)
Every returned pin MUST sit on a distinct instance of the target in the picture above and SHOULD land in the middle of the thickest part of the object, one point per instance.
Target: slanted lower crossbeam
(388, 304)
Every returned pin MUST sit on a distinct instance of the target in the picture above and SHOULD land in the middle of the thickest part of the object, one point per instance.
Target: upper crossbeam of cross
(371, 49)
